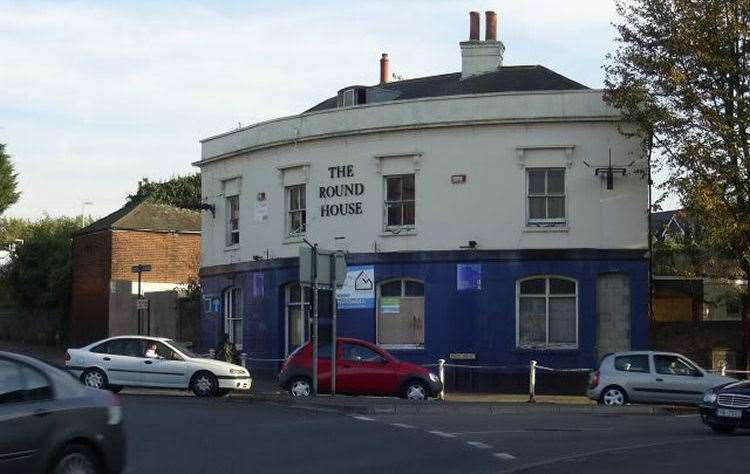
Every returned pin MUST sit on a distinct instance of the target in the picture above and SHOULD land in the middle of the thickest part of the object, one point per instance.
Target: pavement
(237, 435)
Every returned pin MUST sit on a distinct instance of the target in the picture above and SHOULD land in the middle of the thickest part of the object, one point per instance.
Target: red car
(362, 368)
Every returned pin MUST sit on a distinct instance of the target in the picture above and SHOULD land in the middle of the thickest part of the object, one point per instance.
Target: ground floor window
(233, 316)
(400, 314)
(297, 316)
(547, 313)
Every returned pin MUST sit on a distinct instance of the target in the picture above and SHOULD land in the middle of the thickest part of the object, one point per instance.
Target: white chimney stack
(480, 57)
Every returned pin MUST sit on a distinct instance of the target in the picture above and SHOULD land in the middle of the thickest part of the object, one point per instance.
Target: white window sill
(294, 239)
(232, 248)
(533, 228)
(398, 231)
(402, 347)
(548, 347)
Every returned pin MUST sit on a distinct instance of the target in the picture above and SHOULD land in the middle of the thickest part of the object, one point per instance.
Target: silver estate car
(650, 377)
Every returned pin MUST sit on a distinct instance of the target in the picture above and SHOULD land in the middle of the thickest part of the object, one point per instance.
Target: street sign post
(326, 269)
(140, 269)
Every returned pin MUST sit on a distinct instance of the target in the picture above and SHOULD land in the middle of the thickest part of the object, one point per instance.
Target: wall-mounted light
(209, 207)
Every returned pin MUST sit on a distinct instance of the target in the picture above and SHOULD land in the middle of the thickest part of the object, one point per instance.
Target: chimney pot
(490, 31)
(473, 26)
(385, 73)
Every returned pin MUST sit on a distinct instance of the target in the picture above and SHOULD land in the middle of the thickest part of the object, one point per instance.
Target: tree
(680, 73)
(8, 181)
(180, 191)
(38, 275)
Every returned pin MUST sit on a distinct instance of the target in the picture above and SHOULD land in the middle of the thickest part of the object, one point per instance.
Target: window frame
(547, 345)
(231, 233)
(305, 305)
(228, 297)
(290, 212)
(648, 364)
(547, 221)
(378, 296)
(386, 204)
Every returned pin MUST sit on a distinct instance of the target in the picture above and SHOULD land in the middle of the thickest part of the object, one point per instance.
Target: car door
(362, 370)
(167, 369)
(24, 424)
(633, 372)
(676, 380)
(124, 361)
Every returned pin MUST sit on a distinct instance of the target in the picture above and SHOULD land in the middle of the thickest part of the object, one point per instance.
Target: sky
(97, 95)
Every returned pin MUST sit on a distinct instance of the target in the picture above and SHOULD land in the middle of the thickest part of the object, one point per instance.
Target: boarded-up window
(401, 314)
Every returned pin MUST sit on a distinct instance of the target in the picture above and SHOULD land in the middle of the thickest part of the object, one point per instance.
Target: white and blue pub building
(474, 209)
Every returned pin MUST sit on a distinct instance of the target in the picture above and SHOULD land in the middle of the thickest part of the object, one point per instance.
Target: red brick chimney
(473, 26)
(385, 70)
(490, 30)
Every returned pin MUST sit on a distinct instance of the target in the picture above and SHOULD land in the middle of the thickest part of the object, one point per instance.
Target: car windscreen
(183, 348)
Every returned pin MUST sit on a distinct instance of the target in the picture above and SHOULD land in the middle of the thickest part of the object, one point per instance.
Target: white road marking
(478, 444)
(403, 425)
(363, 418)
(505, 456)
(442, 434)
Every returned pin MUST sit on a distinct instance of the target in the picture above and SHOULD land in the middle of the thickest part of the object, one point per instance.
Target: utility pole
(140, 269)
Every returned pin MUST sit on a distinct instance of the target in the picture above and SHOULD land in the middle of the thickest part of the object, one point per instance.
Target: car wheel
(415, 390)
(726, 429)
(613, 396)
(204, 384)
(78, 459)
(94, 378)
(300, 387)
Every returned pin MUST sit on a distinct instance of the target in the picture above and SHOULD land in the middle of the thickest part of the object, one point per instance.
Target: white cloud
(97, 95)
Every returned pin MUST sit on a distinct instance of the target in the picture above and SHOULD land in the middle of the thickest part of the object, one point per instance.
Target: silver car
(650, 377)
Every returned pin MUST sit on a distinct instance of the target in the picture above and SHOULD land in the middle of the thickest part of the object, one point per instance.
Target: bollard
(724, 369)
(211, 354)
(243, 359)
(441, 376)
(532, 381)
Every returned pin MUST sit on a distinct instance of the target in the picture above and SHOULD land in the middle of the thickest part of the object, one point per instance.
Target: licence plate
(723, 412)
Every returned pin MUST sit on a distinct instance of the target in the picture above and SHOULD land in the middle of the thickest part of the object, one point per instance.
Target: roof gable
(147, 215)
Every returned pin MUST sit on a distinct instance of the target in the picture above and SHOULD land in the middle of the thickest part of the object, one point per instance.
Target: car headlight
(434, 377)
(709, 397)
(238, 371)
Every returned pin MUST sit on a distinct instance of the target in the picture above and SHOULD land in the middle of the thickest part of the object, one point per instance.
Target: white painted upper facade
(491, 139)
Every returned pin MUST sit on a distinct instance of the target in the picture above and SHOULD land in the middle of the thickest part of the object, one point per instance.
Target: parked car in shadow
(50, 423)
(727, 408)
(651, 377)
(362, 368)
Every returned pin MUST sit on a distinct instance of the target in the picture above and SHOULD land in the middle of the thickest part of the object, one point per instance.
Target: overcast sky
(96, 95)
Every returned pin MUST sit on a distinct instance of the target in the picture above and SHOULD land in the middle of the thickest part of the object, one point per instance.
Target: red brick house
(104, 290)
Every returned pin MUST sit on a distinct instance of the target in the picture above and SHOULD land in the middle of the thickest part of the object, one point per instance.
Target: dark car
(727, 407)
(51, 423)
(361, 369)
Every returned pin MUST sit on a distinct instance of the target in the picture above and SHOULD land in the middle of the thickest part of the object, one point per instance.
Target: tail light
(594, 379)
(67, 356)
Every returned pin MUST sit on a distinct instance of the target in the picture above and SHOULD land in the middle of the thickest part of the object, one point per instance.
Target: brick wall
(175, 258)
(90, 289)
(697, 340)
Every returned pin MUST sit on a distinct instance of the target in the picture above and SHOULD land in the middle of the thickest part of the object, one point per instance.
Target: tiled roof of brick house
(147, 216)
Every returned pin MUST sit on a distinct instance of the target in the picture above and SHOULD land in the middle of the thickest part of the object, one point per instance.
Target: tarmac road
(168, 434)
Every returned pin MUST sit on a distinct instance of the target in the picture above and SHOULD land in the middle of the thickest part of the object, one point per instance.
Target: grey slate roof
(147, 215)
(505, 79)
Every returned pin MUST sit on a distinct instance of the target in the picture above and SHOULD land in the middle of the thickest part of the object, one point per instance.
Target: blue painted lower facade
(456, 321)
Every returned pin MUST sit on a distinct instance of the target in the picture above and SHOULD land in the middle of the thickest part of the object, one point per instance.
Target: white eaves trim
(429, 112)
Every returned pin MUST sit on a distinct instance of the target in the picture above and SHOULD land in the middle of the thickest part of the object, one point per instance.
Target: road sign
(140, 268)
(328, 267)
